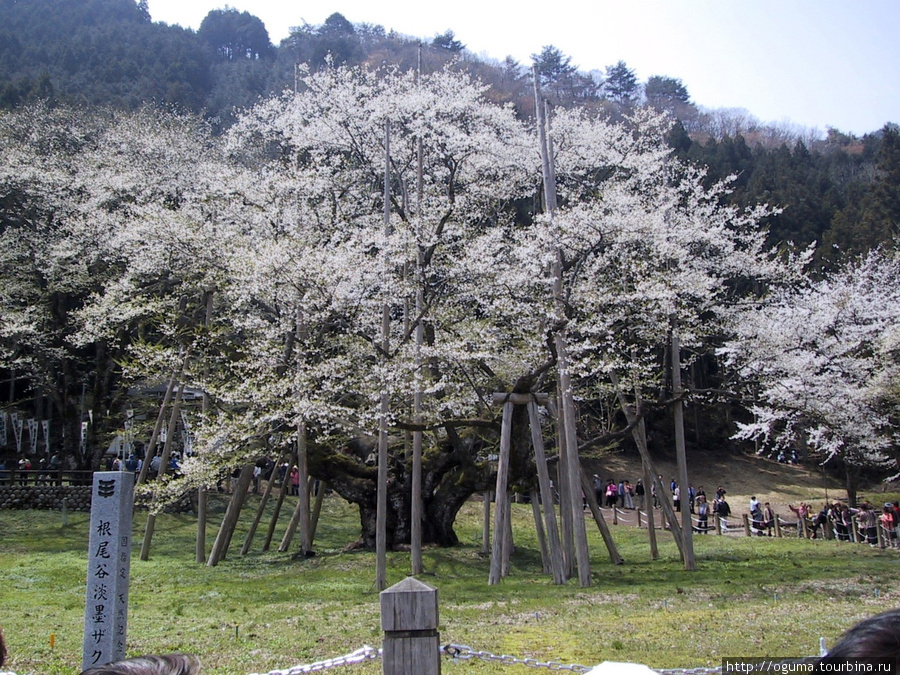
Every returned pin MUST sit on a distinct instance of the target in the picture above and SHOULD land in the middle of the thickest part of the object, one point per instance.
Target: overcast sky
(814, 63)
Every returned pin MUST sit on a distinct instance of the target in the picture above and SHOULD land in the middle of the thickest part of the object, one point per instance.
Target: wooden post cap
(410, 605)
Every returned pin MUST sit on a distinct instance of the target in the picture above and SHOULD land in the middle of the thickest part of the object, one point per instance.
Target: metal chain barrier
(365, 653)
(462, 652)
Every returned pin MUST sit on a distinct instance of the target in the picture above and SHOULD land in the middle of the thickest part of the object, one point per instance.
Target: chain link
(462, 652)
(365, 653)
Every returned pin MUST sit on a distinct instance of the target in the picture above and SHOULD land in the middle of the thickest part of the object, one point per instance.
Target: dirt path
(742, 476)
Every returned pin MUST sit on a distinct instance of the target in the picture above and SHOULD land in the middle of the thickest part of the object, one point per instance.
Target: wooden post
(416, 506)
(500, 511)
(567, 402)
(381, 505)
(639, 434)
(507, 548)
(157, 428)
(150, 526)
(283, 489)
(880, 530)
(202, 492)
(855, 529)
(291, 530)
(827, 530)
(486, 523)
(539, 527)
(565, 514)
(777, 526)
(687, 530)
(801, 523)
(651, 526)
(409, 619)
(267, 493)
(226, 529)
(317, 509)
(305, 482)
(746, 520)
(591, 497)
(200, 541)
(718, 524)
(540, 459)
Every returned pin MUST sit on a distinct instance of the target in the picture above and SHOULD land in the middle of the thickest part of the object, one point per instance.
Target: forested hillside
(841, 192)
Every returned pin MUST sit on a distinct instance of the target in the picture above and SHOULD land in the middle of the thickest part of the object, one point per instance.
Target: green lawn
(265, 611)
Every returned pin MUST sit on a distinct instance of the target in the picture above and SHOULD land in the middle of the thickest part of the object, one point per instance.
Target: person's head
(875, 637)
(166, 664)
(3, 653)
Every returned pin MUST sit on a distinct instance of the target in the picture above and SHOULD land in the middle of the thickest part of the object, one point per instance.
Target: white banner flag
(17, 430)
(32, 434)
(45, 427)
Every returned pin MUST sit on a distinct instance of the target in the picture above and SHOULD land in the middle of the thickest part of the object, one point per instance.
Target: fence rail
(15, 476)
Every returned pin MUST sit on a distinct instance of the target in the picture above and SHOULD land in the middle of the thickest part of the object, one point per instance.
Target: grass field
(265, 611)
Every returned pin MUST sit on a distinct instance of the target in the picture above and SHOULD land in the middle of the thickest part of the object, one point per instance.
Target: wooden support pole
(292, 527)
(801, 523)
(303, 466)
(640, 439)
(557, 567)
(486, 522)
(507, 549)
(267, 493)
(500, 511)
(381, 505)
(163, 465)
(535, 500)
(520, 399)
(687, 530)
(283, 489)
(777, 526)
(232, 513)
(591, 497)
(317, 509)
(200, 542)
(202, 492)
(718, 521)
(409, 619)
(157, 428)
(651, 526)
(746, 520)
(573, 463)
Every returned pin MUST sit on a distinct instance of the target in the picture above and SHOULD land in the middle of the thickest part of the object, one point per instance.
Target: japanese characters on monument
(109, 568)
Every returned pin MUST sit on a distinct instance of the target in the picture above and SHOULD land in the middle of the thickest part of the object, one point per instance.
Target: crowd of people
(627, 495)
(840, 519)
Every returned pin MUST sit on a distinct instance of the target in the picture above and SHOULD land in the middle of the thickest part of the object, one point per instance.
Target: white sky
(815, 63)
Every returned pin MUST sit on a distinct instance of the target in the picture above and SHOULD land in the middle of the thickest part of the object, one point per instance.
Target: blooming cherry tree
(822, 358)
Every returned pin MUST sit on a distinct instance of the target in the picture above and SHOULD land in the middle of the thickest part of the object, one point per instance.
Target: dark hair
(875, 637)
(2, 648)
(166, 664)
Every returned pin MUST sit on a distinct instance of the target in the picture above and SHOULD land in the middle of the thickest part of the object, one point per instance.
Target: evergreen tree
(621, 84)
